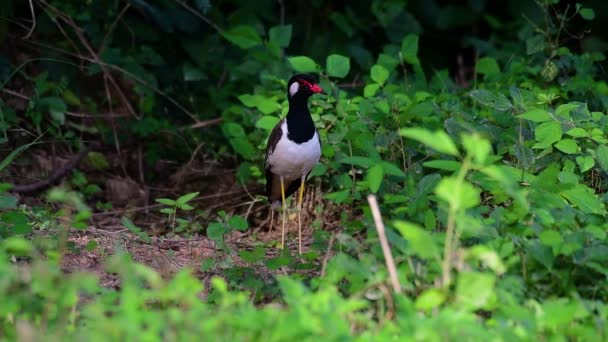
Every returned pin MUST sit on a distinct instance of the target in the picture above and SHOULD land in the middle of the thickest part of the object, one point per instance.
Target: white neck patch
(293, 88)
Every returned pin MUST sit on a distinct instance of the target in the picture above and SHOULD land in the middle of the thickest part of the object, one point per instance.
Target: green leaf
(280, 35)
(371, 89)
(585, 163)
(438, 140)
(487, 66)
(167, 211)
(374, 177)
(165, 201)
(409, 49)
(477, 147)
(56, 107)
(302, 64)
(536, 115)
(238, 222)
(577, 132)
(187, 198)
(8, 201)
(459, 194)
(447, 165)
(474, 290)
(243, 36)
(420, 241)
(535, 44)
(587, 13)
(379, 74)
(14, 153)
(601, 154)
(551, 238)
(215, 231)
(489, 99)
(547, 133)
(430, 299)
(583, 197)
(337, 65)
(267, 122)
(568, 146)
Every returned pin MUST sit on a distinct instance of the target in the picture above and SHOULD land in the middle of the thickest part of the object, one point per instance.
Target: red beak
(316, 89)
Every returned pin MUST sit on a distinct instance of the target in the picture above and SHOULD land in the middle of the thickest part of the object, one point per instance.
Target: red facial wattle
(313, 87)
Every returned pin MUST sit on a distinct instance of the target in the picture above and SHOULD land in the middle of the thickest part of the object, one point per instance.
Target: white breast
(292, 160)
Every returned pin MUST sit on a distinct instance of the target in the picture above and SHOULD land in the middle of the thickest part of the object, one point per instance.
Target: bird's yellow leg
(284, 211)
(300, 197)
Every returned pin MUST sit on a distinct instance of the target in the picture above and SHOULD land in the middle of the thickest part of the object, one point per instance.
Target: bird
(293, 149)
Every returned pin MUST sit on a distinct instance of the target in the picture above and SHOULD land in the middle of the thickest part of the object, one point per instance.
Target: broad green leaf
(551, 238)
(215, 231)
(243, 36)
(489, 258)
(337, 65)
(474, 290)
(568, 146)
(409, 49)
(587, 13)
(438, 140)
(517, 98)
(577, 132)
(280, 35)
(585, 163)
(477, 147)
(487, 66)
(391, 169)
(535, 44)
(238, 222)
(8, 201)
(18, 222)
(267, 122)
(371, 89)
(601, 154)
(56, 107)
(447, 165)
(459, 194)
(379, 74)
(566, 109)
(186, 198)
(302, 64)
(486, 98)
(536, 115)
(559, 312)
(166, 201)
(547, 133)
(374, 177)
(266, 105)
(430, 299)
(420, 241)
(358, 161)
(583, 197)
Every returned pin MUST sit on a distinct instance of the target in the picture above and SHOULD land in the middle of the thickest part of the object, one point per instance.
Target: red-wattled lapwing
(293, 149)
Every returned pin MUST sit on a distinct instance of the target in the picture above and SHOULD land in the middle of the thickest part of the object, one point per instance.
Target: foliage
(492, 186)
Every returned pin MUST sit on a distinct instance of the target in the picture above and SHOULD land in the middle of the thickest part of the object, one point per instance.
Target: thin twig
(31, 30)
(201, 16)
(330, 244)
(105, 39)
(386, 250)
(201, 124)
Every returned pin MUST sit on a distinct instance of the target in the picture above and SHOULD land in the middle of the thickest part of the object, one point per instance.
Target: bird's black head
(302, 86)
